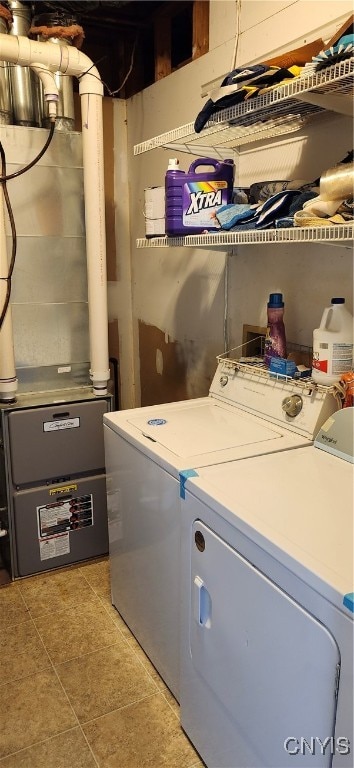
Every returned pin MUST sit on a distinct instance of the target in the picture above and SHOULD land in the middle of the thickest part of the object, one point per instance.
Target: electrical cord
(94, 64)
(3, 179)
(14, 236)
(237, 37)
(33, 162)
(130, 67)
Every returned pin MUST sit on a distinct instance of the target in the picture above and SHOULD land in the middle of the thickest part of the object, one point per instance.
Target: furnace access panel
(55, 479)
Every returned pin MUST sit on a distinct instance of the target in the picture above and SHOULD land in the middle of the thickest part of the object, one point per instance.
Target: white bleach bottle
(333, 344)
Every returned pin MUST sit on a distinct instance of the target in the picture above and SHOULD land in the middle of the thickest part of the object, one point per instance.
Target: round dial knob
(223, 380)
(292, 405)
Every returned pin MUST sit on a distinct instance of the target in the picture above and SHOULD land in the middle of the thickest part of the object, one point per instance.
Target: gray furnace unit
(52, 475)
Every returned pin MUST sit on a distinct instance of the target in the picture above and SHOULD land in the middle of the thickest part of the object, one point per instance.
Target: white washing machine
(267, 608)
(146, 450)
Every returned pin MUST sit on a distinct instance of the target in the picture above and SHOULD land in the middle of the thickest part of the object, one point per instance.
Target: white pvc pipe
(50, 90)
(92, 142)
(8, 380)
(69, 60)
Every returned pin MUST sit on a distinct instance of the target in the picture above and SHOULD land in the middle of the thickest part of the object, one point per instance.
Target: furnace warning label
(54, 546)
(61, 516)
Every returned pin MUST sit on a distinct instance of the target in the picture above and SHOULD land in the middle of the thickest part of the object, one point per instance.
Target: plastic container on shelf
(275, 341)
(154, 211)
(191, 197)
(333, 344)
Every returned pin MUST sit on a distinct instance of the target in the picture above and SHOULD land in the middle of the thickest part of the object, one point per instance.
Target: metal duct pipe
(5, 82)
(25, 92)
(69, 60)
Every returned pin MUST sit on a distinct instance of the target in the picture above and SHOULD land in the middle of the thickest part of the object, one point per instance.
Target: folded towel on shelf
(228, 216)
(295, 205)
(321, 208)
(306, 219)
(287, 208)
(278, 207)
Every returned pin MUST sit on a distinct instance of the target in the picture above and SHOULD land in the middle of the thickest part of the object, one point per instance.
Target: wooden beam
(345, 29)
(200, 28)
(163, 20)
(162, 37)
(170, 7)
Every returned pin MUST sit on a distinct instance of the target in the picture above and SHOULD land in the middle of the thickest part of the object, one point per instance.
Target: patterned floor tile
(68, 750)
(31, 710)
(104, 680)
(143, 735)
(21, 652)
(76, 631)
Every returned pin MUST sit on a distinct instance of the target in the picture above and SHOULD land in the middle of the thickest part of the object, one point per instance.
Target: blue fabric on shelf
(299, 201)
(345, 44)
(343, 49)
(274, 207)
(229, 215)
(277, 211)
(295, 205)
(284, 223)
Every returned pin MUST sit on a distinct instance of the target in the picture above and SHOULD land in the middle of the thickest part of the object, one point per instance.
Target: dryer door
(263, 671)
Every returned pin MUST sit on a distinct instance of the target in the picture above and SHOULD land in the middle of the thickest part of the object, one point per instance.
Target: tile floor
(76, 689)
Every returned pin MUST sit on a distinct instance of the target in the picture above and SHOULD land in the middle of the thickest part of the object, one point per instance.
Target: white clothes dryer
(146, 449)
(267, 610)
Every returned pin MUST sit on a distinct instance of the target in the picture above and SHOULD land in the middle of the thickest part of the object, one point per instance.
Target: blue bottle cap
(275, 301)
(337, 301)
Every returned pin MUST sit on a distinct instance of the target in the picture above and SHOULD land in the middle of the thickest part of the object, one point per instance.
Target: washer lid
(193, 430)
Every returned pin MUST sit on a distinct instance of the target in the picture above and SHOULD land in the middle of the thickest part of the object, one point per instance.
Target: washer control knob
(292, 405)
(223, 380)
